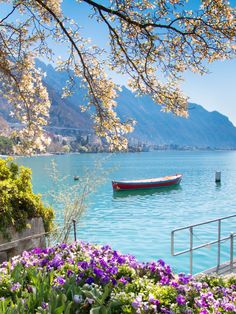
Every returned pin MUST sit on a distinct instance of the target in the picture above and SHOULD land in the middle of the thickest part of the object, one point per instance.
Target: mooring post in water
(218, 177)
(231, 251)
(74, 227)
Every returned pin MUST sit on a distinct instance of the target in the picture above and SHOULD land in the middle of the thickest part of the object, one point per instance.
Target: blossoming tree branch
(146, 39)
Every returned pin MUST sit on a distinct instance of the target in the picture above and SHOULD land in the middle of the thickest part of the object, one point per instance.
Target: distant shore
(128, 151)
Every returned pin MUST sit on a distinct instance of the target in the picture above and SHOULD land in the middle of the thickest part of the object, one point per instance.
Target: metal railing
(194, 248)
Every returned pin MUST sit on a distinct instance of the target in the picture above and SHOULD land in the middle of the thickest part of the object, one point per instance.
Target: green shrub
(17, 200)
(6, 145)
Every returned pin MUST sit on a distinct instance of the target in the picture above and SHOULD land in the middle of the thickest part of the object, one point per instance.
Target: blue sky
(215, 91)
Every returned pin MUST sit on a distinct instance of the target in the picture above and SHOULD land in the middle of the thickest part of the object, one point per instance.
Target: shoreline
(117, 152)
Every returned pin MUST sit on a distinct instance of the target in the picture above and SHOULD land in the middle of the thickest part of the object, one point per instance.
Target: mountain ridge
(202, 129)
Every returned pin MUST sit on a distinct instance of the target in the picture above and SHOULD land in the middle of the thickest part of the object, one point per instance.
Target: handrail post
(74, 227)
(172, 243)
(191, 249)
(231, 251)
(219, 246)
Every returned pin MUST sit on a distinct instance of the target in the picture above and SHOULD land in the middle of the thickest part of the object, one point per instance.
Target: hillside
(201, 129)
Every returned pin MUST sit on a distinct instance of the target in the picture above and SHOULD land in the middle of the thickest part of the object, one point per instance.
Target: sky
(214, 91)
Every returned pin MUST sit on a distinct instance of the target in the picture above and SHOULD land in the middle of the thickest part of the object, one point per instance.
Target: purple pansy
(60, 280)
(44, 305)
(180, 299)
(89, 280)
(15, 286)
(137, 303)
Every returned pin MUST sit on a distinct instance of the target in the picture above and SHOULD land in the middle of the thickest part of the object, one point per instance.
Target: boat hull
(146, 184)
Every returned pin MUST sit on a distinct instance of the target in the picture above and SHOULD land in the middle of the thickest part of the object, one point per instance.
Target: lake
(141, 223)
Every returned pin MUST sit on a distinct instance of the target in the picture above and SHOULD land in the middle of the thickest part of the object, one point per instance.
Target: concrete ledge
(223, 269)
(8, 249)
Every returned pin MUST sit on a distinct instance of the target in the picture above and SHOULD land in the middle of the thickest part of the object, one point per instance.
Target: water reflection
(218, 186)
(161, 190)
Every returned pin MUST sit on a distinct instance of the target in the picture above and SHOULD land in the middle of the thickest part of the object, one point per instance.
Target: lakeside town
(65, 140)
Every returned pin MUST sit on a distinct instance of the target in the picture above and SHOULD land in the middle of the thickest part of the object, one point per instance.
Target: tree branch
(10, 13)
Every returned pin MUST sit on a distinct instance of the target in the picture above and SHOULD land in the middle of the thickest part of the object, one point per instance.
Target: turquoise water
(141, 223)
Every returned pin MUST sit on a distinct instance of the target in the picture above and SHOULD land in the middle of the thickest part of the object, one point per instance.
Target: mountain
(3, 124)
(64, 112)
(202, 128)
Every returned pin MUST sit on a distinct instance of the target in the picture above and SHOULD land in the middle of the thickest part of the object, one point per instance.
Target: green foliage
(6, 145)
(214, 280)
(17, 200)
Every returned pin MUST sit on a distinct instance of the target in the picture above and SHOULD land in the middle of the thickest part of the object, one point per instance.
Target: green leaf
(95, 310)
(60, 309)
(68, 307)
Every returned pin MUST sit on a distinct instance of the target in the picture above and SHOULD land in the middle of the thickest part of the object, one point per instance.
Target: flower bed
(83, 278)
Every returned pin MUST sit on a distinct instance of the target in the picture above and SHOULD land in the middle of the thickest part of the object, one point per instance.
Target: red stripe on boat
(119, 185)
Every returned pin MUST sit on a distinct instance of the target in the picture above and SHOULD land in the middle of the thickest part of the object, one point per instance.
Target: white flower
(77, 298)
